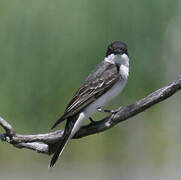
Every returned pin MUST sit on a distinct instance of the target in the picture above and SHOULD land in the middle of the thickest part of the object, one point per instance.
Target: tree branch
(47, 143)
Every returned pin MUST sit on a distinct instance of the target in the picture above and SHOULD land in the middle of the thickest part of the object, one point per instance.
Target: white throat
(119, 59)
(122, 61)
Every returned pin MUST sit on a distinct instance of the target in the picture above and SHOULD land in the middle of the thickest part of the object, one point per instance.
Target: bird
(102, 85)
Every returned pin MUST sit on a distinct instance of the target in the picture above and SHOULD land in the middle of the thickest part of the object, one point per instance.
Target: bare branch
(7, 127)
(47, 143)
(47, 138)
(38, 147)
(124, 113)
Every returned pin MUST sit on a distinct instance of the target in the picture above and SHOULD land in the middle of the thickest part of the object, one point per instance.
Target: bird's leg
(92, 121)
(100, 109)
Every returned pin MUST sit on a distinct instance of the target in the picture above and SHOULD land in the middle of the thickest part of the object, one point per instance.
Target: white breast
(124, 71)
(123, 60)
(104, 99)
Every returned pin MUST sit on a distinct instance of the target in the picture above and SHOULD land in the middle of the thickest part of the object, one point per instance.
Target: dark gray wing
(98, 82)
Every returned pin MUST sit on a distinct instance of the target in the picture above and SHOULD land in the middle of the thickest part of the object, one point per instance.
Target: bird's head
(117, 48)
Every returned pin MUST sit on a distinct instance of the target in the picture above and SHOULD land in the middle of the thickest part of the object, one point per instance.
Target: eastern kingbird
(103, 84)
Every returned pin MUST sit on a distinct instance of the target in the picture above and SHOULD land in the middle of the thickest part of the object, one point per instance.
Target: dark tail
(66, 136)
(59, 150)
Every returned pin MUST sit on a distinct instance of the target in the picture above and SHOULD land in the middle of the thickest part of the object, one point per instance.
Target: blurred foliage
(47, 48)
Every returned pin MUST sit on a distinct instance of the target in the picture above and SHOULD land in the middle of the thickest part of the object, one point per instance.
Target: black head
(117, 47)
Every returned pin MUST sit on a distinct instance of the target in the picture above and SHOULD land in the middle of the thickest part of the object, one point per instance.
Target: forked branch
(47, 143)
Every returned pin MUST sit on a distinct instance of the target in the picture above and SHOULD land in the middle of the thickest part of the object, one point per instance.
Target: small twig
(47, 143)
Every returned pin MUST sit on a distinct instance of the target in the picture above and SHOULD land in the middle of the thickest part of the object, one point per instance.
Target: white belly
(104, 99)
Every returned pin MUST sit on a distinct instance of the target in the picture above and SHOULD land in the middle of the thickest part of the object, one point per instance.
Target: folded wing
(98, 82)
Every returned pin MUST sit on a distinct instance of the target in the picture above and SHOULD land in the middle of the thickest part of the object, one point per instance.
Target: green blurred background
(47, 48)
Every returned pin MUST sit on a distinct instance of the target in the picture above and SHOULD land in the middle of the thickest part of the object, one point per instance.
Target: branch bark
(47, 143)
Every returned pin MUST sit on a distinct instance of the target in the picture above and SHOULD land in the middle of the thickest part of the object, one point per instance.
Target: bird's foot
(100, 109)
(92, 121)
(116, 110)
